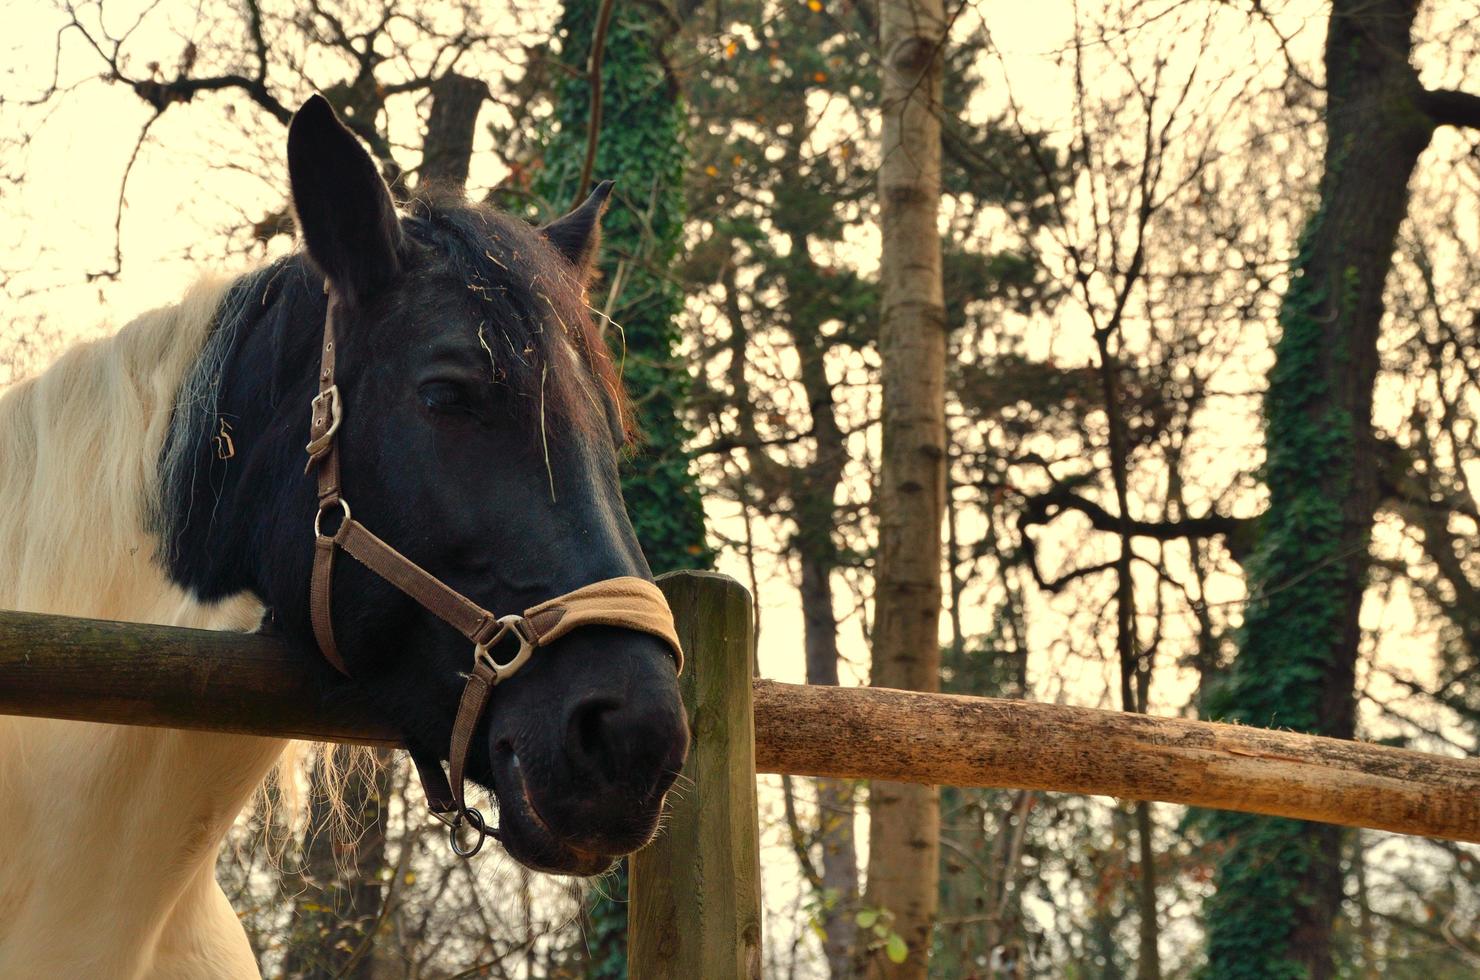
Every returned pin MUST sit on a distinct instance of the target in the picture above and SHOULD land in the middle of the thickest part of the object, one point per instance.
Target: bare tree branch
(1450, 107)
(593, 78)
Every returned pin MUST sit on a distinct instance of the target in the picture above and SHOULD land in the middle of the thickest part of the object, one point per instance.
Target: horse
(159, 476)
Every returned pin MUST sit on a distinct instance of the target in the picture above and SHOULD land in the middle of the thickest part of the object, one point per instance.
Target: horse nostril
(630, 746)
(590, 738)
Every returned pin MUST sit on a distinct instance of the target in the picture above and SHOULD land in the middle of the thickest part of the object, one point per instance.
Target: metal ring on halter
(474, 820)
(455, 821)
(343, 506)
(503, 671)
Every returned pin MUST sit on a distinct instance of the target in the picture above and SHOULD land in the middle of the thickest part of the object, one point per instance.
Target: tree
(780, 182)
(904, 820)
(380, 64)
(1144, 227)
(1279, 882)
(619, 116)
(639, 143)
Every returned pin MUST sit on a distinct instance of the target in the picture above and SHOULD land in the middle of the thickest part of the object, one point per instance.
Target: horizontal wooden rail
(152, 675)
(167, 677)
(873, 733)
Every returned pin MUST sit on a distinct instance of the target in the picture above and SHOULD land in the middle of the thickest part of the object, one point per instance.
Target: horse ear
(345, 213)
(578, 234)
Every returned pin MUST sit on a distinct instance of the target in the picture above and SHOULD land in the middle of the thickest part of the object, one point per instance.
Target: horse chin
(526, 836)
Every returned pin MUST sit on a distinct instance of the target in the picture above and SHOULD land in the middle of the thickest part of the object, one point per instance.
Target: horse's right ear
(345, 213)
(577, 235)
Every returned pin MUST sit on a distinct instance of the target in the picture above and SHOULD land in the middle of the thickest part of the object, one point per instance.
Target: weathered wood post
(695, 891)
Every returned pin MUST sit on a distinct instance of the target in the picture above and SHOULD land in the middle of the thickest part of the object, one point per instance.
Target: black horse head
(482, 425)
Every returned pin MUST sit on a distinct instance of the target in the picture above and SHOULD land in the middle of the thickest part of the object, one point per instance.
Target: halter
(626, 601)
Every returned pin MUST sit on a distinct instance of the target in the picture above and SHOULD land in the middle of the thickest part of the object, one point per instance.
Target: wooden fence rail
(125, 673)
(187, 678)
(695, 901)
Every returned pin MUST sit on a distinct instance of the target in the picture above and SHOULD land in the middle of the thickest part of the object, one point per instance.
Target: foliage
(641, 148)
(1292, 629)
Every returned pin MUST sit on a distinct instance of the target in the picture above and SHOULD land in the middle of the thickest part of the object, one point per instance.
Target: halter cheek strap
(628, 602)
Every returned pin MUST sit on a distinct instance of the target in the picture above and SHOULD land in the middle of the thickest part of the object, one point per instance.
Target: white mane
(79, 469)
(107, 834)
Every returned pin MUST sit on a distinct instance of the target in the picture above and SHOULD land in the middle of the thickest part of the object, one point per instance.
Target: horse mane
(79, 453)
(83, 463)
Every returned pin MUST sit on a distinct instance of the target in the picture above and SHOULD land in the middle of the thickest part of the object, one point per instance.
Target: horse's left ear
(577, 235)
(345, 213)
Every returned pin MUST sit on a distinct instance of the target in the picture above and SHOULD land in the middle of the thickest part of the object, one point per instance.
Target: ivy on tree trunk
(641, 148)
(1279, 882)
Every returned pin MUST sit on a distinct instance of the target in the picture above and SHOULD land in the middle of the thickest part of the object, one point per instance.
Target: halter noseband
(627, 601)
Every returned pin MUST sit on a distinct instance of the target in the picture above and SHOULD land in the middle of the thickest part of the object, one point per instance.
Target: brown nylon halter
(627, 601)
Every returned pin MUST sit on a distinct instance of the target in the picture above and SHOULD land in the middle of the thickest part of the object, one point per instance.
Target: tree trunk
(1148, 960)
(835, 804)
(813, 490)
(641, 235)
(1279, 881)
(1135, 666)
(904, 833)
(447, 151)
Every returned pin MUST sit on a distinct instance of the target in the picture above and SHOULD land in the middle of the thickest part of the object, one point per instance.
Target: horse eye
(446, 396)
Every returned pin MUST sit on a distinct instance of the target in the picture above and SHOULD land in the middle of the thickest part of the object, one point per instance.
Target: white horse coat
(109, 834)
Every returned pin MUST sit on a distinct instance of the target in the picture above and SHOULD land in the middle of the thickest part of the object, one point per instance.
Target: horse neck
(116, 818)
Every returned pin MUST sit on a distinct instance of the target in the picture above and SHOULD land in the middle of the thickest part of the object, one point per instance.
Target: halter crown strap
(627, 602)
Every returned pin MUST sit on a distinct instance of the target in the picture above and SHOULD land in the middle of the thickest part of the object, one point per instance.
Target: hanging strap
(628, 602)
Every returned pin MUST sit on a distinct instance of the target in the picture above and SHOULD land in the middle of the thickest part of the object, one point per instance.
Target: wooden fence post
(695, 892)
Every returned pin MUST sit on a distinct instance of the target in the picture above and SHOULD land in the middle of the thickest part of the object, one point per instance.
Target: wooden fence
(696, 891)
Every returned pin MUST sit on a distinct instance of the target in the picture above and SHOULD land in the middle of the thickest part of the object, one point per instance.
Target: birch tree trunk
(904, 831)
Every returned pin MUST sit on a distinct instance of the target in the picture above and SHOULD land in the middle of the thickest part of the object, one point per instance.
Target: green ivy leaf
(896, 948)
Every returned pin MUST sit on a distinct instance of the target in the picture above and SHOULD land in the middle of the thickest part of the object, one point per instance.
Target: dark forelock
(530, 304)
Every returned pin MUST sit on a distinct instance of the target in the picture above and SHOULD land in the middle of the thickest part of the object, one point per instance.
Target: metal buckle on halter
(503, 671)
(328, 402)
(456, 821)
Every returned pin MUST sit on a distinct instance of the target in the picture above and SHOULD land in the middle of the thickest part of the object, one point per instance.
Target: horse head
(482, 422)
